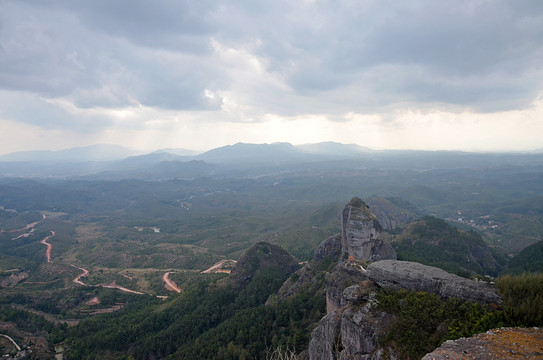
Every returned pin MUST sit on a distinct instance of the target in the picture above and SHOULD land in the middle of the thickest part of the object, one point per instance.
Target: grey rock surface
(360, 293)
(329, 248)
(325, 341)
(360, 231)
(340, 278)
(395, 275)
(351, 333)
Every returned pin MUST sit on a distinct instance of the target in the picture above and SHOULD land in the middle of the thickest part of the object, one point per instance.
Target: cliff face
(359, 239)
(352, 331)
(337, 281)
(355, 323)
(360, 232)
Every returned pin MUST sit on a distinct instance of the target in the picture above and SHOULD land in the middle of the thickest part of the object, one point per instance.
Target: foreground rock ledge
(497, 344)
(396, 275)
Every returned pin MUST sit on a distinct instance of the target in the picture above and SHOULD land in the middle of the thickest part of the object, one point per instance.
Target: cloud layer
(95, 67)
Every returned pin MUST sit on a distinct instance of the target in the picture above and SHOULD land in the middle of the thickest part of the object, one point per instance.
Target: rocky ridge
(354, 323)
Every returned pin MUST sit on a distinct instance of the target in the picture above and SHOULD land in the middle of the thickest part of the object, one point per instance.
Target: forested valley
(189, 264)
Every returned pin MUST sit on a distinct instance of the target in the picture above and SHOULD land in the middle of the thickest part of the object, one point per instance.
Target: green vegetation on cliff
(523, 297)
(433, 242)
(423, 321)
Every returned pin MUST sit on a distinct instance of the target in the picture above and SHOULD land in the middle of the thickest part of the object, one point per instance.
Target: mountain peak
(260, 257)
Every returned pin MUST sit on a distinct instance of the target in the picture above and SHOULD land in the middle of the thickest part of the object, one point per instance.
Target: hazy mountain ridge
(251, 160)
(100, 152)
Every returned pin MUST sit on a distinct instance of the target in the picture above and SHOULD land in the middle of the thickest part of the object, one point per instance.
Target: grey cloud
(333, 57)
(45, 50)
(35, 111)
(465, 41)
(169, 24)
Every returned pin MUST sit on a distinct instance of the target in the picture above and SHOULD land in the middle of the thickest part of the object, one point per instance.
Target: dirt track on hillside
(169, 284)
(49, 246)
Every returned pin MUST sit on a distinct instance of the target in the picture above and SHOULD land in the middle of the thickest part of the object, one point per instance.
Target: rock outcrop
(396, 275)
(328, 249)
(497, 344)
(354, 322)
(352, 332)
(311, 275)
(360, 231)
(340, 278)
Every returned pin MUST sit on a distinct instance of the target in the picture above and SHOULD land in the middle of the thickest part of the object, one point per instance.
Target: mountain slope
(432, 241)
(528, 260)
(335, 149)
(254, 153)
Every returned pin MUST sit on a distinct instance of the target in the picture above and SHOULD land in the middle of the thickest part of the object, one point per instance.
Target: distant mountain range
(275, 152)
(229, 153)
(241, 159)
(101, 152)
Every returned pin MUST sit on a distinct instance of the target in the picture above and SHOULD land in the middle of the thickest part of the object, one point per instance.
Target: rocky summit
(355, 322)
(360, 232)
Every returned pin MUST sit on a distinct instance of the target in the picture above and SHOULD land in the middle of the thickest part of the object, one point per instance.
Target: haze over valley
(86, 236)
(308, 179)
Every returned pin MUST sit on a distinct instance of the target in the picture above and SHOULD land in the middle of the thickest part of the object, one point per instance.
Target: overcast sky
(199, 74)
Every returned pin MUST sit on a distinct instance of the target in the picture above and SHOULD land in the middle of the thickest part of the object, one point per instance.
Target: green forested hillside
(528, 260)
(219, 320)
(432, 241)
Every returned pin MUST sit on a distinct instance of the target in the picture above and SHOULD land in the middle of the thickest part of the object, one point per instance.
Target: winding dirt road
(169, 284)
(49, 246)
(217, 267)
(113, 285)
(85, 273)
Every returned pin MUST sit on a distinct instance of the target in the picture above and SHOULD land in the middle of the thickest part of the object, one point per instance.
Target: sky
(431, 75)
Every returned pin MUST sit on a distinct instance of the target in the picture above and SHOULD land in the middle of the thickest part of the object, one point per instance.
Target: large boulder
(360, 232)
(396, 275)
